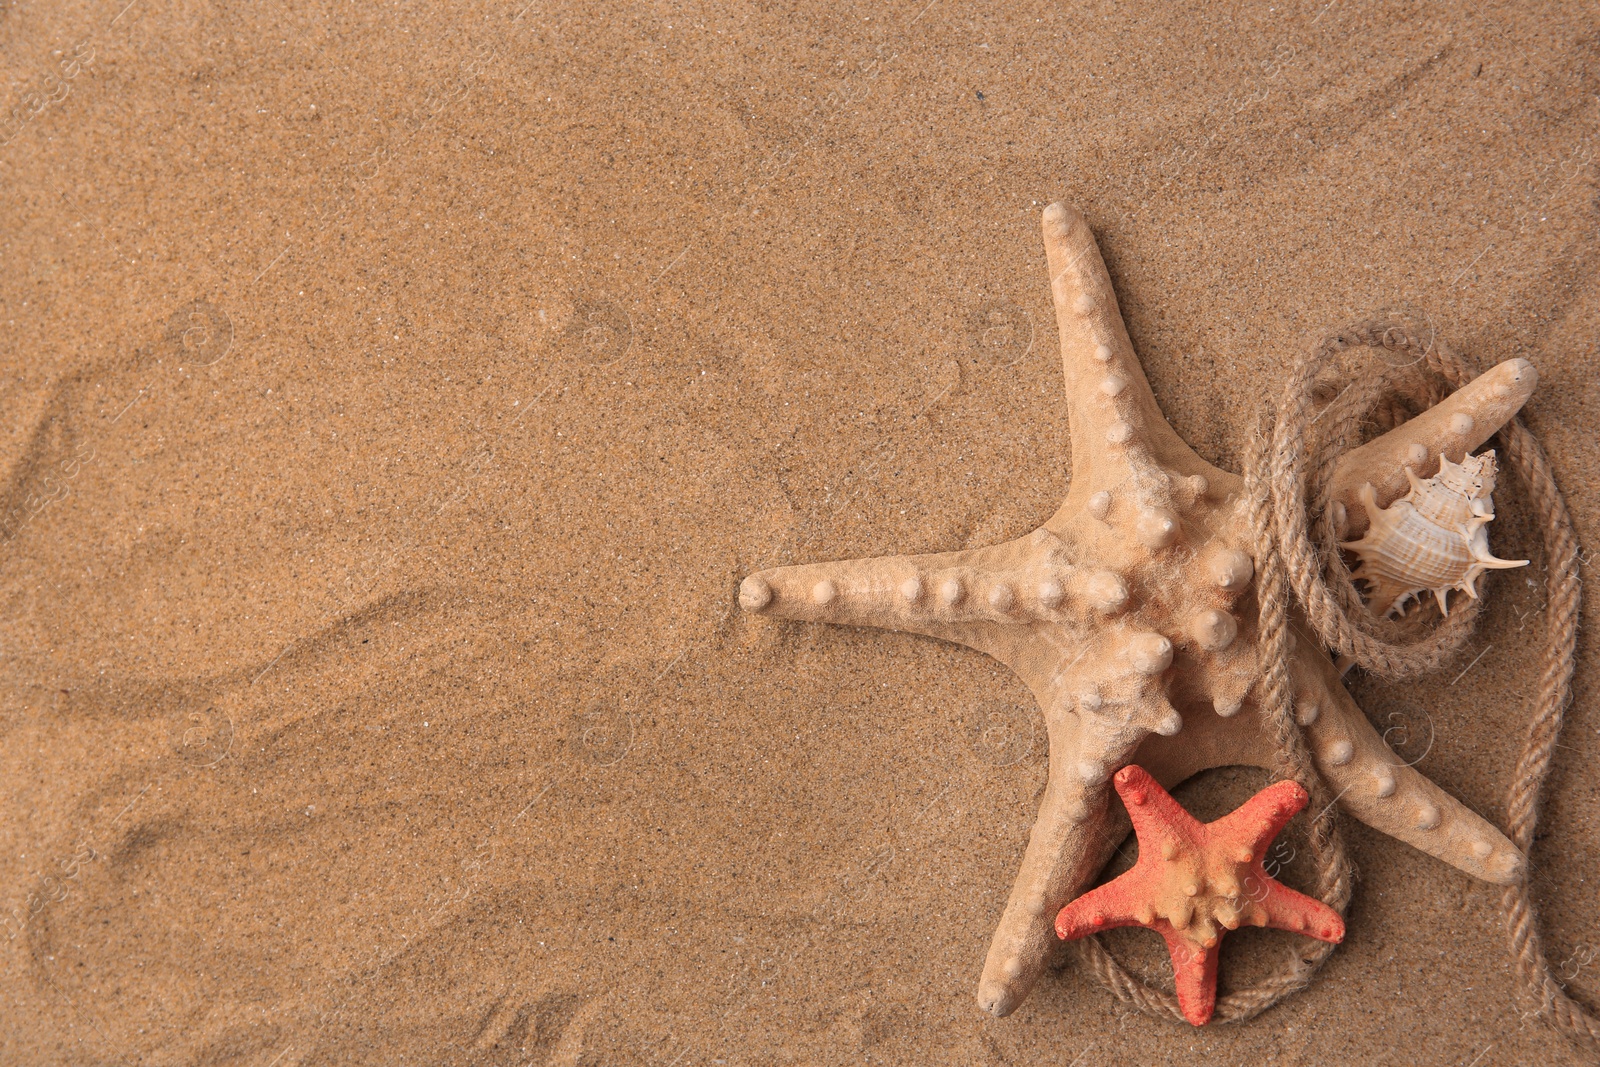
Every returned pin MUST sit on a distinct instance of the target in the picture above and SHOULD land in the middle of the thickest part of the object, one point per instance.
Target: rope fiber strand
(1288, 475)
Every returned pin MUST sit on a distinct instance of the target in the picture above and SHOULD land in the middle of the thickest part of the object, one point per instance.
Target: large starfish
(1193, 877)
(1126, 615)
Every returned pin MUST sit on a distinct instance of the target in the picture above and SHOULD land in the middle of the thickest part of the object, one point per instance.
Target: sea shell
(1435, 537)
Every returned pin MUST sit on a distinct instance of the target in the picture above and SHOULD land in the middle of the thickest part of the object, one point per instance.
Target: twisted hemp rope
(1292, 461)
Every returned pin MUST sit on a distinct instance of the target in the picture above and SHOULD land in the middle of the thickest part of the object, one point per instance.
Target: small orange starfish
(1193, 876)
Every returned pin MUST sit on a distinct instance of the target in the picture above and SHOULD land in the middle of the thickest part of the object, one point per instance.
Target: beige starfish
(1126, 615)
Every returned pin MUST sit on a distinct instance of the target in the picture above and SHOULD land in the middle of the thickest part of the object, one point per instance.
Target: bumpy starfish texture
(1193, 877)
(1128, 617)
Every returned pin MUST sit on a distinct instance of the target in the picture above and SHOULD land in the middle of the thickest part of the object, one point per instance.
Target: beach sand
(395, 395)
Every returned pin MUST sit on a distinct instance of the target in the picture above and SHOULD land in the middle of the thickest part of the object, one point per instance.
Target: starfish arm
(959, 596)
(1194, 973)
(1454, 427)
(1111, 411)
(1286, 909)
(1156, 816)
(1117, 903)
(1074, 835)
(1377, 787)
(1259, 820)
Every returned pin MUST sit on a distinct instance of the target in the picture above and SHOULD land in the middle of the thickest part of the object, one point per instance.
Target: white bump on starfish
(1119, 433)
(1112, 384)
(1482, 849)
(1149, 653)
(1461, 423)
(1000, 598)
(1306, 711)
(754, 594)
(1103, 666)
(823, 593)
(1416, 455)
(1107, 591)
(1427, 815)
(1214, 630)
(911, 589)
(1156, 527)
(1229, 568)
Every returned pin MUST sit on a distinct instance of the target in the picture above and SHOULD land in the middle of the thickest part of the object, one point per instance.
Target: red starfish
(1192, 876)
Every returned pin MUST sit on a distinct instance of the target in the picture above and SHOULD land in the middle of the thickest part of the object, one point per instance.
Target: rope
(1291, 461)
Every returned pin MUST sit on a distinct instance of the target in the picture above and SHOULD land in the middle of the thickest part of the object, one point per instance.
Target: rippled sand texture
(393, 397)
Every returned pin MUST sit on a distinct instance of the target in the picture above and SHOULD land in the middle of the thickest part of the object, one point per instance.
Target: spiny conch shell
(1436, 537)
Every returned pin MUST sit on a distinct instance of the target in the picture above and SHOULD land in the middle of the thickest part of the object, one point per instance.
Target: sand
(393, 397)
